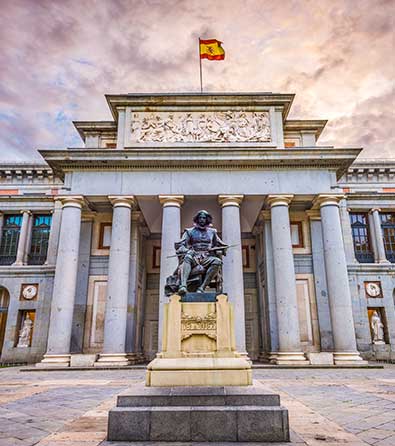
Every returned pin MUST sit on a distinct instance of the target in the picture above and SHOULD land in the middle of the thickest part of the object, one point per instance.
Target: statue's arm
(184, 244)
(217, 240)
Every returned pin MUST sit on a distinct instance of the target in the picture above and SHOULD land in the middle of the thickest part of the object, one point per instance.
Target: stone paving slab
(350, 407)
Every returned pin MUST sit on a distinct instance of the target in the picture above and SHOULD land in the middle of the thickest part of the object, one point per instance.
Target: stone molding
(279, 200)
(327, 200)
(76, 201)
(171, 200)
(230, 200)
(313, 214)
(127, 201)
(199, 156)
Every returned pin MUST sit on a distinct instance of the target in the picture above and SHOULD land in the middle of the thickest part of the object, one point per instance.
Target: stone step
(199, 424)
(197, 396)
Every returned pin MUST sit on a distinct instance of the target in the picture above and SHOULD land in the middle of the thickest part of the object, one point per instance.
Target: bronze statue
(199, 252)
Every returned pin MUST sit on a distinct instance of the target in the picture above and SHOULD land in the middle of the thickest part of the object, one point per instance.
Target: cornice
(316, 125)
(101, 127)
(154, 102)
(206, 158)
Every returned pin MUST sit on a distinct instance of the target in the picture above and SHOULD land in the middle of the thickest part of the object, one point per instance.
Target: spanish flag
(211, 49)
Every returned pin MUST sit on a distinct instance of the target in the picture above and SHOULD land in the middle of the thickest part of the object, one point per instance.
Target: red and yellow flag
(211, 49)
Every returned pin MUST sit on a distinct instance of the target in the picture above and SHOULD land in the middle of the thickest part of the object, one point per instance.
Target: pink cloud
(58, 59)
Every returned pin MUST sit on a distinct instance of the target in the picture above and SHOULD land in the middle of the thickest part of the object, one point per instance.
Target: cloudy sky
(58, 58)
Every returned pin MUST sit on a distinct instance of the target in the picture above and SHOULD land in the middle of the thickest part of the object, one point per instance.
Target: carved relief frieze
(219, 126)
(191, 325)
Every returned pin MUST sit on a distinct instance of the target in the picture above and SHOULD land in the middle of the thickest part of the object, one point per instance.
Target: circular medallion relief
(29, 292)
(373, 289)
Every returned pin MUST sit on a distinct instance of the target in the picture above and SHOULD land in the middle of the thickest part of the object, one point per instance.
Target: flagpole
(200, 65)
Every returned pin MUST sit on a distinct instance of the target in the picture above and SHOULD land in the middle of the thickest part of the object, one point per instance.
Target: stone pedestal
(201, 414)
(198, 347)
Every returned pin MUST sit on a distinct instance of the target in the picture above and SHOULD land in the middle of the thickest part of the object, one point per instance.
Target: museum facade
(87, 236)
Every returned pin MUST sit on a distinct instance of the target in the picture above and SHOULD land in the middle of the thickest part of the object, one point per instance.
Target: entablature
(219, 157)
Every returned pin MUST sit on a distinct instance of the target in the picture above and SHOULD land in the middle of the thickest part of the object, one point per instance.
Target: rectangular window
(105, 235)
(9, 239)
(297, 234)
(360, 235)
(388, 228)
(40, 236)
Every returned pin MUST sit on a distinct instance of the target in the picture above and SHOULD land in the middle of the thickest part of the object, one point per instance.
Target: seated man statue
(199, 252)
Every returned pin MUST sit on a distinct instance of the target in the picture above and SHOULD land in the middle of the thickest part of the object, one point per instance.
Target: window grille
(40, 236)
(388, 229)
(9, 239)
(360, 235)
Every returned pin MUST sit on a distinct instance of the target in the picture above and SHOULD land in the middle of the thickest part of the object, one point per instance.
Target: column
(28, 240)
(63, 296)
(118, 284)
(372, 237)
(345, 347)
(131, 328)
(1, 225)
(23, 235)
(171, 232)
(233, 264)
(53, 240)
(321, 288)
(121, 128)
(347, 232)
(381, 257)
(290, 351)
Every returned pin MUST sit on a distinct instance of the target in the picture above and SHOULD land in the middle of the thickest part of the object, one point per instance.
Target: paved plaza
(326, 407)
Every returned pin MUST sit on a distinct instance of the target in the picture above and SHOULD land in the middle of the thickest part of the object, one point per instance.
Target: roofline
(147, 100)
(92, 126)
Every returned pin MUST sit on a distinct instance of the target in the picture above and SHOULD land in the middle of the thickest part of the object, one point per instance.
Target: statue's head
(202, 219)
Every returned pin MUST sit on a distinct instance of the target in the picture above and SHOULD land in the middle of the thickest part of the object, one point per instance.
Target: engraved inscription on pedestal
(219, 126)
(193, 325)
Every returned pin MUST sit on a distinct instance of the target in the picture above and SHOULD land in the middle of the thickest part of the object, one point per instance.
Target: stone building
(86, 235)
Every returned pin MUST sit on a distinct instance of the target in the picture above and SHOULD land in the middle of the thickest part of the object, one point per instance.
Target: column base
(54, 361)
(288, 358)
(134, 358)
(112, 360)
(348, 358)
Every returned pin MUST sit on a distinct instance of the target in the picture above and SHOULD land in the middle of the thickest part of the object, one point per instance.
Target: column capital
(26, 211)
(230, 200)
(88, 215)
(265, 215)
(313, 214)
(279, 200)
(171, 200)
(136, 216)
(76, 201)
(376, 209)
(127, 201)
(327, 200)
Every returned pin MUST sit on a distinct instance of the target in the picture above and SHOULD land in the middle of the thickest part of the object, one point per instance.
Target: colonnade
(121, 269)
